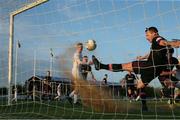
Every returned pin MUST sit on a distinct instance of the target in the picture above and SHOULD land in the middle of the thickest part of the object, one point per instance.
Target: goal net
(44, 40)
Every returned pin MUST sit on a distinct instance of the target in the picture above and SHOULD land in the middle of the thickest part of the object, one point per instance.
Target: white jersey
(59, 87)
(59, 90)
(76, 69)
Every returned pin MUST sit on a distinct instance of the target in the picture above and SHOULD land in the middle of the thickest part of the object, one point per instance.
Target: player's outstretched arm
(143, 57)
(174, 44)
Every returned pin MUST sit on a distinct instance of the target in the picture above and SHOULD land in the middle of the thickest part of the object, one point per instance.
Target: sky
(117, 26)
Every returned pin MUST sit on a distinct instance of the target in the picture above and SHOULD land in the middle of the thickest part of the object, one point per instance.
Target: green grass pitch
(59, 110)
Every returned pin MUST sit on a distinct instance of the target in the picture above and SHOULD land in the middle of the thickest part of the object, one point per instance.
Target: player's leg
(146, 77)
(58, 94)
(162, 91)
(112, 67)
(71, 95)
(76, 74)
(143, 99)
(162, 94)
(176, 95)
(138, 67)
(171, 88)
(75, 96)
(129, 92)
(131, 66)
(138, 94)
(176, 85)
(133, 94)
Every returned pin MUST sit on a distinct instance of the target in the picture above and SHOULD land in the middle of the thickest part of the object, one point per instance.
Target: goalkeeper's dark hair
(79, 44)
(152, 29)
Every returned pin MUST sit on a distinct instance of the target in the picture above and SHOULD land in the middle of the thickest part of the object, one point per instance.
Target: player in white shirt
(15, 95)
(58, 91)
(76, 74)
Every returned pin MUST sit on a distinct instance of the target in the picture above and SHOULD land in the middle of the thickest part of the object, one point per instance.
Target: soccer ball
(91, 45)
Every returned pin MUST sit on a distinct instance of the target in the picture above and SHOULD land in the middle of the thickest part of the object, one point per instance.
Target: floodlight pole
(11, 41)
(34, 74)
(51, 63)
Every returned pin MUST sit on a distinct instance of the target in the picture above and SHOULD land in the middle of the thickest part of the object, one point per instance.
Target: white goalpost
(11, 32)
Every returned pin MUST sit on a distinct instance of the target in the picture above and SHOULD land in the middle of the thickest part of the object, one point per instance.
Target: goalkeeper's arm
(174, 44)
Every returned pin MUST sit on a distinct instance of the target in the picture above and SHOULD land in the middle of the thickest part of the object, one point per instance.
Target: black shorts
(84, 75)
(148, 71)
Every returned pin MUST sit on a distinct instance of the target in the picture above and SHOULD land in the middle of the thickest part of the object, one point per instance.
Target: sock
(75, 98)
(171, 90)
(143, 98)
(115, 67)
(103, 66)
(138, 92)
(111, 67)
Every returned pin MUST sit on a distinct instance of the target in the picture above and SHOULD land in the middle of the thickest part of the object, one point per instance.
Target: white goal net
(44, 39)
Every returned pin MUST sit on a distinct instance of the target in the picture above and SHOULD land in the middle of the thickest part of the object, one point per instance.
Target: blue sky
(117, 26)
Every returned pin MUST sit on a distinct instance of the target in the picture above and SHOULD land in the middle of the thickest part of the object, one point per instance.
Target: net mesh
(44, 39)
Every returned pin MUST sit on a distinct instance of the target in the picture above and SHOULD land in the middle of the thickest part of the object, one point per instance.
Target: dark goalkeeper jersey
(85, 68)
(158, 53)
(130, 79)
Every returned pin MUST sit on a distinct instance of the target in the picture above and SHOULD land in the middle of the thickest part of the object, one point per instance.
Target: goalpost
(11, 32)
